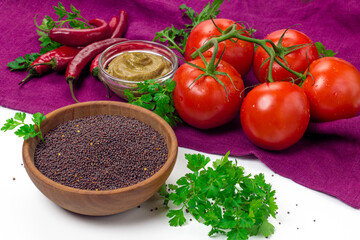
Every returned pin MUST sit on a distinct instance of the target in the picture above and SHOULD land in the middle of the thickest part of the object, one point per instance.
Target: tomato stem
(211, 66)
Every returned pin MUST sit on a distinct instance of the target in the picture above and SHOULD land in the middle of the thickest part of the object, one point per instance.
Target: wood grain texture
(108, 202)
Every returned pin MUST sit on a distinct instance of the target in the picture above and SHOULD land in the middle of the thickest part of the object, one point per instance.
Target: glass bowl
(118, 85)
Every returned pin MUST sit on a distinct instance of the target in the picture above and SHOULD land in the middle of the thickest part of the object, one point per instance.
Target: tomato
(204, 104)
(297, 60)
(333, 90)
(239, 54)
(275, 115)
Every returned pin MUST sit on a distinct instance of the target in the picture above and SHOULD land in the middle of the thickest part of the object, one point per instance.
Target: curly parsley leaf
(23, 63)
(70, 17)
(323, 52)
(223, 197)
(37, 118)
(25, 130)
(173, 37)
(157, 98)
(177, 217)
(66, 18)
(176, 38)
(209, 11)
(196, 162)
(20, 116)
(10, 125)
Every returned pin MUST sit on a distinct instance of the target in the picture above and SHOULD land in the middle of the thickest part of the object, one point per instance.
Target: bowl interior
(118, 85)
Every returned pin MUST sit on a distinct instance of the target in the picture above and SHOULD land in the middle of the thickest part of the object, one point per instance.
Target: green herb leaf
(182, 181)
(323, 52)
(146, 98)
(66, 19)
(266, 229)
(237, 234)
(74, 9)
(173, 37)
(20, 116)
(172, 186)
(162, 98)
(71, 19)
(129, 95)
(177, 217)
(49, 46)
(165, 194)
(176, 38)
(156, 97)
(38, 118)
(23, 63)
(10, 125)
(25, 130)
(209, 11)
(170, 85)
(222, 196)
(196, 161)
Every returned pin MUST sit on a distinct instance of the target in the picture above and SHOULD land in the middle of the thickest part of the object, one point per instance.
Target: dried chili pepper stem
(37, 70)
(56, 59)
(71, 86)
(34, 71)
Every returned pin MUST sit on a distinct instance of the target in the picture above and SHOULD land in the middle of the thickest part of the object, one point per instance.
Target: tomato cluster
(295, 84)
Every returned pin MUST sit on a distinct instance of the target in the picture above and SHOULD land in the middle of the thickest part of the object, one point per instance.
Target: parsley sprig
(176, 38)
(157, 98)
(25, 130)
(323, 52)
(222, 196)
(72, 19)
(23, 63)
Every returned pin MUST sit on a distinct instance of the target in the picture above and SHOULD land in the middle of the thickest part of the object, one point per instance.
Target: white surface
(27, 214)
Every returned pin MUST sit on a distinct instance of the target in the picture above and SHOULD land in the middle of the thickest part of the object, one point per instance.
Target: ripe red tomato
(275, 115)
(239, 54)
(297, 60)
(333, 90)
(204, 104)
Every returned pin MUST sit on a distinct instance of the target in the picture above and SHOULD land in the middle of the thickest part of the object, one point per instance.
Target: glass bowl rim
(115, 79)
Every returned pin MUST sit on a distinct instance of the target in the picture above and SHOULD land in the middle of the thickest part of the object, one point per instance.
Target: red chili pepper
(113, 23)
(81, 37)
(94, 70)
(121, 26)
(56, 59)
(60, 61)
(78, 63)
(94, 67)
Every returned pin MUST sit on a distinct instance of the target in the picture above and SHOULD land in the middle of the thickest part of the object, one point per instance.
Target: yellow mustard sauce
(138, 66)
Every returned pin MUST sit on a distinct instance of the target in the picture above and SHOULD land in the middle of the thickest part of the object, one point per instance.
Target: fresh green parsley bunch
(223, 197)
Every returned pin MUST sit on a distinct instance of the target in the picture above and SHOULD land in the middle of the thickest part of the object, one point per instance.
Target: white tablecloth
(26, 214)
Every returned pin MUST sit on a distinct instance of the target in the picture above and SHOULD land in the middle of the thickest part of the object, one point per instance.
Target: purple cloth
(326, 158)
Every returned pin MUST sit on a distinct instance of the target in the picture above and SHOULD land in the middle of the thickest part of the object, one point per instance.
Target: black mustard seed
(101, 152)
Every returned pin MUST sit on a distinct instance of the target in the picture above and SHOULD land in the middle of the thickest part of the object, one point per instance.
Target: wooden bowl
(107, 202)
